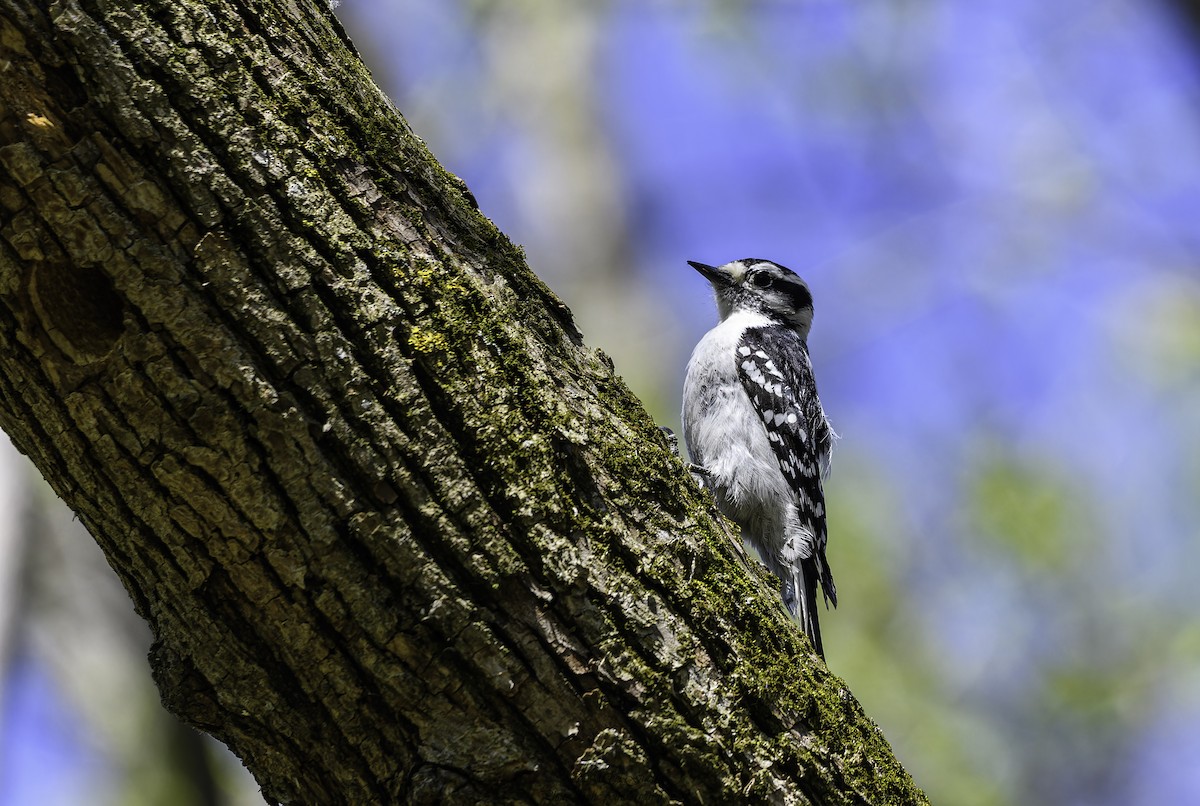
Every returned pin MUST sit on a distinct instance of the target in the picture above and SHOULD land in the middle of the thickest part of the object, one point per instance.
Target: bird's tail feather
(800, 595)
(800, 592)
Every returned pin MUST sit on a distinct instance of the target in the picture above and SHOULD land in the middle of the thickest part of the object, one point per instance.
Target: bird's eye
(760, 279)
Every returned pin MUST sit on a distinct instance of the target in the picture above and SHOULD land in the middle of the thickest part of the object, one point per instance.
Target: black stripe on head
(786, 281)
(799, 295)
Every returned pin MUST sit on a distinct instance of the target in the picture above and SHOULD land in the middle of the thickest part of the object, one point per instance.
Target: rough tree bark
(399, 534)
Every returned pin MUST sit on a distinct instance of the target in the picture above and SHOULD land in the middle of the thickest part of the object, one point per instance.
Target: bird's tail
(800, 596)
(800, 579)
(808, 605)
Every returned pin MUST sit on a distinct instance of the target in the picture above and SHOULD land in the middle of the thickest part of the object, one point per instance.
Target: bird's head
(760, 285)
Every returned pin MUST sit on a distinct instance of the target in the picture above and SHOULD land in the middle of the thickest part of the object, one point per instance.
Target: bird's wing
(785, 397)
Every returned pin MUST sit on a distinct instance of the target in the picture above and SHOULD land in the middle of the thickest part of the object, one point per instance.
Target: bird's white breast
(725, 434)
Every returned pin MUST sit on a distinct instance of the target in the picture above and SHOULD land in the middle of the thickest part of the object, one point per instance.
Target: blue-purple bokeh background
(996, 206)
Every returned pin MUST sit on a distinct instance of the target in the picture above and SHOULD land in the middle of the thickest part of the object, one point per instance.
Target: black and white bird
(755, 428)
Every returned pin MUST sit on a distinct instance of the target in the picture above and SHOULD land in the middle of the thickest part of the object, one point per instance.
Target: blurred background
(997, 206)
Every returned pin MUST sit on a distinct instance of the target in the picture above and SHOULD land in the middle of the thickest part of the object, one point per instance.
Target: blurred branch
(13, 554)
(398, 534)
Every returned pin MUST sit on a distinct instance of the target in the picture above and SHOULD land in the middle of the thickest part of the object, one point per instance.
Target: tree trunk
(400, 536)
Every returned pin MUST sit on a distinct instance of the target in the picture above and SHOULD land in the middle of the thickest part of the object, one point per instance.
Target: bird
(755, 429)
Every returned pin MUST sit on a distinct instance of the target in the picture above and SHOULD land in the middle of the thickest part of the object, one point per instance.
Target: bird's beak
(717, 275)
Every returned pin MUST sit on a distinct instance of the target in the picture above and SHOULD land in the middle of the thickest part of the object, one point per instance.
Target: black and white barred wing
(784, 394)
